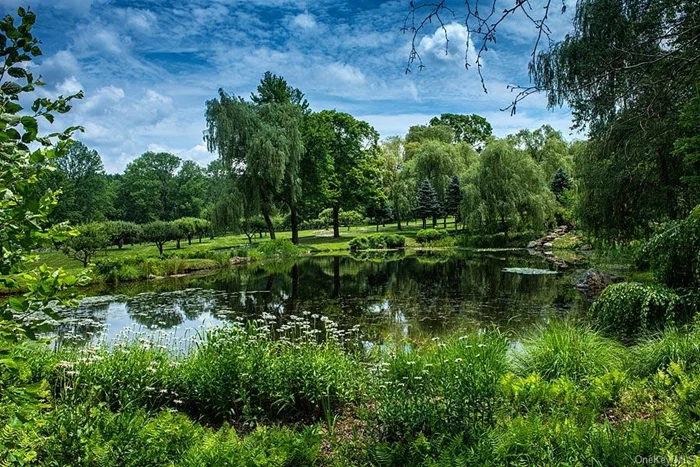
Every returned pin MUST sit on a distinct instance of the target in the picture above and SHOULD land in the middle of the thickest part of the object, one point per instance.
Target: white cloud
(98, 38)
(210, 15)
(69, 86)
(345, 73)
(305, 20)
(59, 67)
(140, 20)
(449, 44)
(101, 100)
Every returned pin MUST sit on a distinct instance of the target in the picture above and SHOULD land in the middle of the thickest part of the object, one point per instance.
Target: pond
(418, 295)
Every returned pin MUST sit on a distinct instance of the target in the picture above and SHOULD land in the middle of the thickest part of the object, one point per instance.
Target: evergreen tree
(428, 204)
(379, 210)
(453, 199)
(560, 182)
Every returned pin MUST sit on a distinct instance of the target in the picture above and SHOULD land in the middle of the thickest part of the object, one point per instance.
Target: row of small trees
(97, 236)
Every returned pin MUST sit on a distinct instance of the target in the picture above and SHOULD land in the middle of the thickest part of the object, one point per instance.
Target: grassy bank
(306, 393)
(310, 241)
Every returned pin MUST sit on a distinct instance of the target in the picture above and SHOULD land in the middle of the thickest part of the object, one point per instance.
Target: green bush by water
(377, 242)
(628, 310)
(425, 236)
(277, 249)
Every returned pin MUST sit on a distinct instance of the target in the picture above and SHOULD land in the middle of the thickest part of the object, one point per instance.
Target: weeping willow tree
(506, 191)
(626, 71)
(260, 147)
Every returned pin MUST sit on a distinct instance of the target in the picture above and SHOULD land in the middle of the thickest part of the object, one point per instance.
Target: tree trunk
(189, 239)
(398, 221)
(444, 222)
(504, 224)
(178, 243)
(120, 242)
(377, 227)
(336, 224)
(434, 220)
(294, 223)
(424, 222)
(270, 225)
(160, 247)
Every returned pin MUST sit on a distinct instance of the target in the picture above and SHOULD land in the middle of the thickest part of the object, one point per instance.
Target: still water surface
(416, 296)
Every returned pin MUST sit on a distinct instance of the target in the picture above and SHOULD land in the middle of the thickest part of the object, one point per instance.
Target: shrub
(627, 310)
(134, 375)
(122, 269)
(674, 252)
(377, 242)
(431, 235)
(563, 350)
(281, 249)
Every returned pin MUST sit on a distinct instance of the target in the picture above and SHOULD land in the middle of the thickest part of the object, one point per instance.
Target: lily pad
(528, 271)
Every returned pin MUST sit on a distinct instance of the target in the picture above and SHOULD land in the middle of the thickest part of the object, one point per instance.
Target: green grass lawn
(316, 241)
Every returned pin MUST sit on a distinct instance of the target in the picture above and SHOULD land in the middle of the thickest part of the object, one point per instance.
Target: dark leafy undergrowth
(308, 393)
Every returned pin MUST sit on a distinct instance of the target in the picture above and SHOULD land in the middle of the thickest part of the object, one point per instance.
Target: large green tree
(260, 145)
(396, 184)
(190, 190)
(547, 148)
(348, 151)
(148, 189)
(472, 129)
(427, 205)
(507, 190)
(80, 176)
(419, 134)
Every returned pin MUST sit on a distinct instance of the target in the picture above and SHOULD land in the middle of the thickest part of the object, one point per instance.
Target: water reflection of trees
(397, 296)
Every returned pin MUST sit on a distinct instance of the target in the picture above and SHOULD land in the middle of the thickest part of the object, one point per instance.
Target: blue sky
(148, 67)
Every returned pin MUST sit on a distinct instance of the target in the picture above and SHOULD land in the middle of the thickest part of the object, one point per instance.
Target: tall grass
(445, 388)
(564, 350)
(679, 345)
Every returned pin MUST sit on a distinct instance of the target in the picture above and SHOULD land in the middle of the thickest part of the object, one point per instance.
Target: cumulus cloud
(305, 20)
(449, 44)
